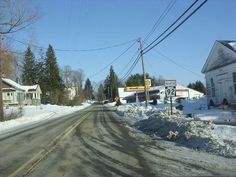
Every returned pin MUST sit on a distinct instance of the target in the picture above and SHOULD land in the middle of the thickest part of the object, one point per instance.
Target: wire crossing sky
(75, 25)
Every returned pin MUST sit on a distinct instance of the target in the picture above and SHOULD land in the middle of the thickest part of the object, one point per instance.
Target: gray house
(220, 73)
(16, 94)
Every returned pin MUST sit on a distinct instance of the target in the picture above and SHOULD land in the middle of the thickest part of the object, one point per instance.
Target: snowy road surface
(95, 142)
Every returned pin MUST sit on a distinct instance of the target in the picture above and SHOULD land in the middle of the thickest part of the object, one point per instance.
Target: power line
(181, 23)
(131, 68)
(122, 71)
(177, 64)
(172, 24)
(74, 50)
(108, 65)
(160, 19)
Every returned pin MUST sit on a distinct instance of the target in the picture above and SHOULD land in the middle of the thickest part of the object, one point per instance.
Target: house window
(213, 91)
(234, 81)
(8, 94)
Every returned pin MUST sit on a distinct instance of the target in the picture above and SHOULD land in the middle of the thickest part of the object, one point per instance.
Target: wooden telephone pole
(1, 101)
(144, 72)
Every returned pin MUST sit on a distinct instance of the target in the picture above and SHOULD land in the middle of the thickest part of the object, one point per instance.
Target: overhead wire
(157, 23)
(181, 23)
(122, 71)
(160, 19)
(131, 68)
(108, 65)
(74, 50)
(150, 46)
(172, 24)
(177, 64)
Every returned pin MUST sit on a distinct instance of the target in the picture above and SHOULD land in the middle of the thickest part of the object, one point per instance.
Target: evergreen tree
(100, 95)
(41, 75)
(29, 68)
(111, 85)
(54, 82)
(106, 87)
(137, 80)
(198, 85)
(88, 90)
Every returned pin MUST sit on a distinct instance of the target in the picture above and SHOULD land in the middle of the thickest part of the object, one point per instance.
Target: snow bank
(35, 114)
(199, 135)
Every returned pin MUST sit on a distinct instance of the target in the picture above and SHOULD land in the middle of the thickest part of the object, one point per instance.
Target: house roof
(229, 44)
(20, 87)
(222, 54)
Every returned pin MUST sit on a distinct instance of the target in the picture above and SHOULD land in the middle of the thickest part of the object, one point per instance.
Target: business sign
(170, 88)
(135, 88)
(148, 82)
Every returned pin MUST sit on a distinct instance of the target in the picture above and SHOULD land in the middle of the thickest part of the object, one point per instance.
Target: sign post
(170, 90)
(148, 85)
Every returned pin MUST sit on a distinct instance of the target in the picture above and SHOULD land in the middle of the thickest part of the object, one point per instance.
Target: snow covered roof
(222, 53)
(230, 44)
(20, 87)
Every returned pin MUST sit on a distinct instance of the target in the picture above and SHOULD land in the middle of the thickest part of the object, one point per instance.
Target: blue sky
(85, 24)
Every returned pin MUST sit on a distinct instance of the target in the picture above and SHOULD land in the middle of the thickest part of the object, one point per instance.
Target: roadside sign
(148, 82)
(170, 88)
(135, 88)
(170, 83)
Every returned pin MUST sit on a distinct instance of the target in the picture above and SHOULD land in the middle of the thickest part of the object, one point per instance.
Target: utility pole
(1, 101)
(144, 72)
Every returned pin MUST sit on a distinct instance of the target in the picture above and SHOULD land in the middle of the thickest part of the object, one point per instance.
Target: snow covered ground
(199, 110)
(35, 114)
(186, 131)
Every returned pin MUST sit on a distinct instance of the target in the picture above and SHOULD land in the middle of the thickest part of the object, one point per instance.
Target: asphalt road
(96, 142)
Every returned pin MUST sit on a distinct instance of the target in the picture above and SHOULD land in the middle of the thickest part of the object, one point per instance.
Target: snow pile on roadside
(199, 135)
(35, 114)
(136, 112)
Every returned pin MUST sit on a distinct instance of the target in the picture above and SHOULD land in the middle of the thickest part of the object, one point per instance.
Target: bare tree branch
(15, 15)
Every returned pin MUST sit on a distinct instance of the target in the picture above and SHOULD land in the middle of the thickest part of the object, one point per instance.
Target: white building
(157, 92)
(16, 94)
(220, 73)
(181, 92)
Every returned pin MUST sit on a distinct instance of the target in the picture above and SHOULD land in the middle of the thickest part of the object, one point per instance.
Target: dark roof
(230, 44)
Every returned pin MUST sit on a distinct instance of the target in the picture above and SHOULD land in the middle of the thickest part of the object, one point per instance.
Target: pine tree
(198, 85)
(137, 80)
(100, 95)
(88, 90)
(29, 68)
(106, 87)
(41, 75)
(111, 85)
(54, 82)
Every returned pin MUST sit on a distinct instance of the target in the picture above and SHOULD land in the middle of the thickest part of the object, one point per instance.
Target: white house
(220, 73)
(16, 94)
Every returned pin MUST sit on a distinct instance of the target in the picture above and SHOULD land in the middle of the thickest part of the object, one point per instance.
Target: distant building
(220, 73)
(157, 92)
(16, 94)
